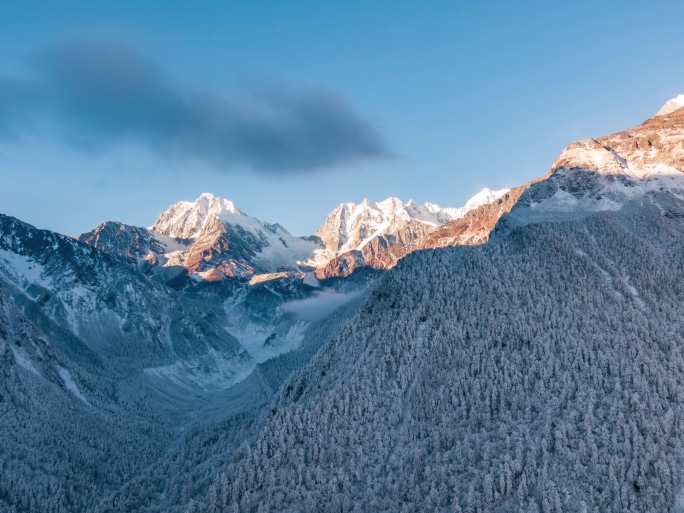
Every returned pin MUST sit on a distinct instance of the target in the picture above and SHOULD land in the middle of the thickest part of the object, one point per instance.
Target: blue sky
(423, 100)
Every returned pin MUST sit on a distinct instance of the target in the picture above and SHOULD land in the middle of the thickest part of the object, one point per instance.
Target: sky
(115, 110)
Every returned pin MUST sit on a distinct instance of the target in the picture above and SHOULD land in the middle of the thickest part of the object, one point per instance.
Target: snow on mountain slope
(273, 247)
(109, 306)
(186, 219)
(132, 243)
(379, 234)
(541, 371)
(351, 226)
(475, 226)
(654, 147)
(210, 238)
(512, 376)
(484, 197)
(671, 105)
(644, 163)
(62, 405)
(91, 346)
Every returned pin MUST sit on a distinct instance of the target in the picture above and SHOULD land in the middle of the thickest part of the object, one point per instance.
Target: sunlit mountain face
(505, 355)
(278, 257)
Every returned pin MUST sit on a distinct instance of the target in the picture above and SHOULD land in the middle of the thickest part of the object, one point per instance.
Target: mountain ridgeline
(540, 372)
(522, 353)
(210, 239)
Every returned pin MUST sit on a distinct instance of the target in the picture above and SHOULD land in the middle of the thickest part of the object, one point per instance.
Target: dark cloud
(15, 98)
(102, 94)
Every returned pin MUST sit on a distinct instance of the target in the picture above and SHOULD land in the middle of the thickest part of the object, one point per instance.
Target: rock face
(134, 244)
(210, 238)
(475, 226)
(351, 226)
(654, 147)
(378, 235)
(589, 175)
(381, 251)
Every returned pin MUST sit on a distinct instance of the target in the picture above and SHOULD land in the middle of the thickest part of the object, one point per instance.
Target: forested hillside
(542, 372)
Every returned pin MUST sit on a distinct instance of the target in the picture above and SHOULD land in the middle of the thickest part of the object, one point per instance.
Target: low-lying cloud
(320, 305)
(98, 95)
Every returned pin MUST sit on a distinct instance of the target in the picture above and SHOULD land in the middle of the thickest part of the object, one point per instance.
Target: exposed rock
(132, 243)
(654, 147)
(475, 226)
(378, 235)
(210, 238)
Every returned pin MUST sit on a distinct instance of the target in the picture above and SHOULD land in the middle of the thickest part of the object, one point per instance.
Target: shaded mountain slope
(540, 372)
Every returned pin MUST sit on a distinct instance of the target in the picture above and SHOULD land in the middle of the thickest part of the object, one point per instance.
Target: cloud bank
(100, 94)
(319, 306)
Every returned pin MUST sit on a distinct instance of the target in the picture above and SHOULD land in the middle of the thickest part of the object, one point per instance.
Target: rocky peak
(186, 219)
(655, 147)
(210, 238)
(379, 234)
(132, 243)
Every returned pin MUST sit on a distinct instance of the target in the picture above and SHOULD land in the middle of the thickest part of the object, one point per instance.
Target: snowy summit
(671, 105)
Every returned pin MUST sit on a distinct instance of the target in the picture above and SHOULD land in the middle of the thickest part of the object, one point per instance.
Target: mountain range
(521, 353)
(211, 239)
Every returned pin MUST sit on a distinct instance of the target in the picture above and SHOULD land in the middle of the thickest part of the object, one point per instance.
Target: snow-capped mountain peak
(212, 239)
(186, 219)
(484, 197)
(351, 225)
(653, 148)
(380, 233)
(671, 105)
(216, 204)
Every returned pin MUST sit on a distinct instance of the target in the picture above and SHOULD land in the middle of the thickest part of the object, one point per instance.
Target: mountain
(671, 105)
(521, 353)
(134, 244)
(475, 226)
(100, 360)
(378, 235)
(87, 343)
(620, 165)
(209, 238)
(540, 371)
(650, 149)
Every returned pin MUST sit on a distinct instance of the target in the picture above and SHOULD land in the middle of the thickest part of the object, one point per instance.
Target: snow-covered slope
(114, 310)
(80, 332)
(378, 234)
(210, 238)
(353, 225)
(642, 164)
(134, 244)
(92, 346)
(671, 105)
(187, 219)
(540, 372)
(654, 147)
